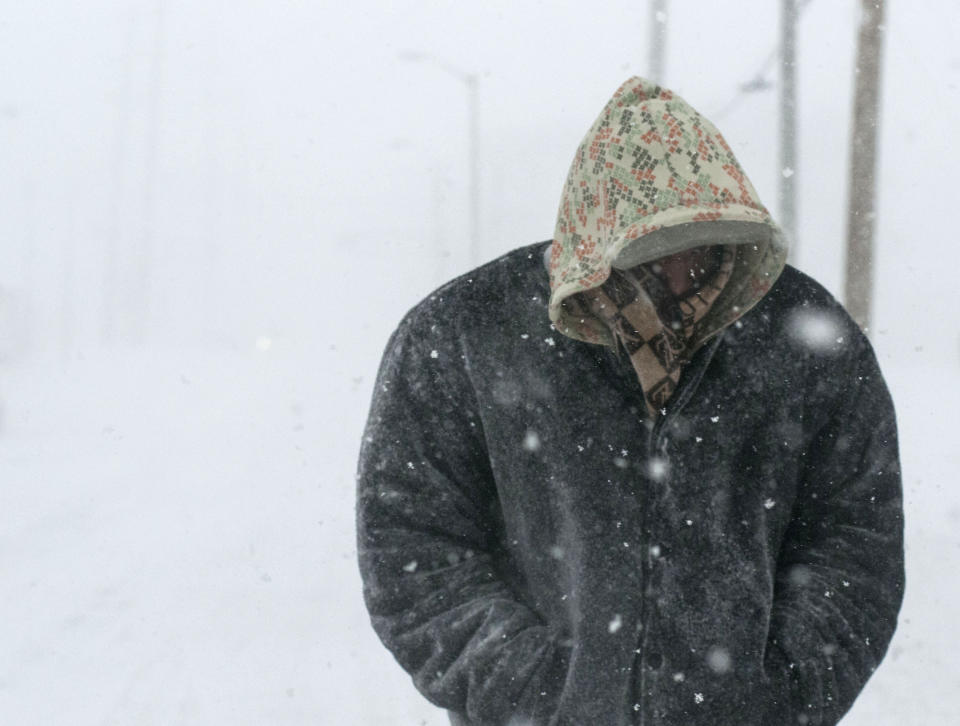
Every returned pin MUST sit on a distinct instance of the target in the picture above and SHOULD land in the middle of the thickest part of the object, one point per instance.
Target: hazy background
(214, 213)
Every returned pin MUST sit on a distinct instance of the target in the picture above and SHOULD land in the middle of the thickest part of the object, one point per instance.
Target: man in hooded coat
(645, 473)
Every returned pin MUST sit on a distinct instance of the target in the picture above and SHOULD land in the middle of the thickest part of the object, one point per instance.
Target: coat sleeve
(840, 575)
(428, 533)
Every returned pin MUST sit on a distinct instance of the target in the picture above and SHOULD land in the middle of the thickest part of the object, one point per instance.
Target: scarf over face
(655, 328)
(652, 177)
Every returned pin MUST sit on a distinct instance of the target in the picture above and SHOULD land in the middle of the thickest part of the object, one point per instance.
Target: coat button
(654, 661)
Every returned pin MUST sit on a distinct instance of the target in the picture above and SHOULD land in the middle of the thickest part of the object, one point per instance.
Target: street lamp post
(472, 83)
(788, 123)
(658, 39)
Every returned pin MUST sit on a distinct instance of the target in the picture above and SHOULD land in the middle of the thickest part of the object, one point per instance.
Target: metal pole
(658, 39)
(146, 255)
(788, 124)
(861, 214)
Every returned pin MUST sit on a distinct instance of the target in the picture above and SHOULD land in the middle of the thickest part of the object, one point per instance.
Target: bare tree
(863, 161)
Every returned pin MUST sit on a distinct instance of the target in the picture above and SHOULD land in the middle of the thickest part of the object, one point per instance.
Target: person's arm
(427, 515)
(840, 577)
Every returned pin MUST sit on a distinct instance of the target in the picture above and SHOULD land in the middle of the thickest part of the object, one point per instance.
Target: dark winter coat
(534, 549)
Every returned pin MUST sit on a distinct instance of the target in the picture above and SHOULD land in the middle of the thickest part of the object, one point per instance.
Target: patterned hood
(651, 178)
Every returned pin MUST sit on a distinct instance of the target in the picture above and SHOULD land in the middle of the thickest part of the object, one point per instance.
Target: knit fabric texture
(646, 177)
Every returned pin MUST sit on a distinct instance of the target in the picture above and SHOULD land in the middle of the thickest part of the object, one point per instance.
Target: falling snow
(145, 665)
(815, 330)
(531, 441)
(718, 658)
(658, 468)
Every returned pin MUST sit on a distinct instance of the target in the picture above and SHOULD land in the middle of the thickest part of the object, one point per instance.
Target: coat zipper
(683, 396)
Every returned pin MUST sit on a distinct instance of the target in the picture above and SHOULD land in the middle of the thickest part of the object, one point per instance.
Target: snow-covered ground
(177, 545)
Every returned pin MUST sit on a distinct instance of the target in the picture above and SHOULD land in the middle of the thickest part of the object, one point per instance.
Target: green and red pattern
(648, 174)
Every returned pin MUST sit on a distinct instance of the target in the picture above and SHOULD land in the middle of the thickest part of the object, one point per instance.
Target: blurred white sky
(255, 166)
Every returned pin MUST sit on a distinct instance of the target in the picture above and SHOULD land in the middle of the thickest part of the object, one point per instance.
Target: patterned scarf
(655, 328)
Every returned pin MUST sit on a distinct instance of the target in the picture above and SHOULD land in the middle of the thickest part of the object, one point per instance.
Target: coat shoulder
(480, 297)
(800, 309)
(797, 289)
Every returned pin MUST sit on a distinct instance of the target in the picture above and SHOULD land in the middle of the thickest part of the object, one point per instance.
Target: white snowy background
(212, 215)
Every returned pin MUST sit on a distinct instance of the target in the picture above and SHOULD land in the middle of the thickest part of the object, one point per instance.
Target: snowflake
(615, 624)
(719, 660)
(434, 354)
(531, 442)
(769, 503)
(714, 419)
(818, 331)
(658, 468)
(698, 698)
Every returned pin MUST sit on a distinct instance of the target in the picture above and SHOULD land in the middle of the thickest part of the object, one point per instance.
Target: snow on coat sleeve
(427, 537)
(840, 577)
